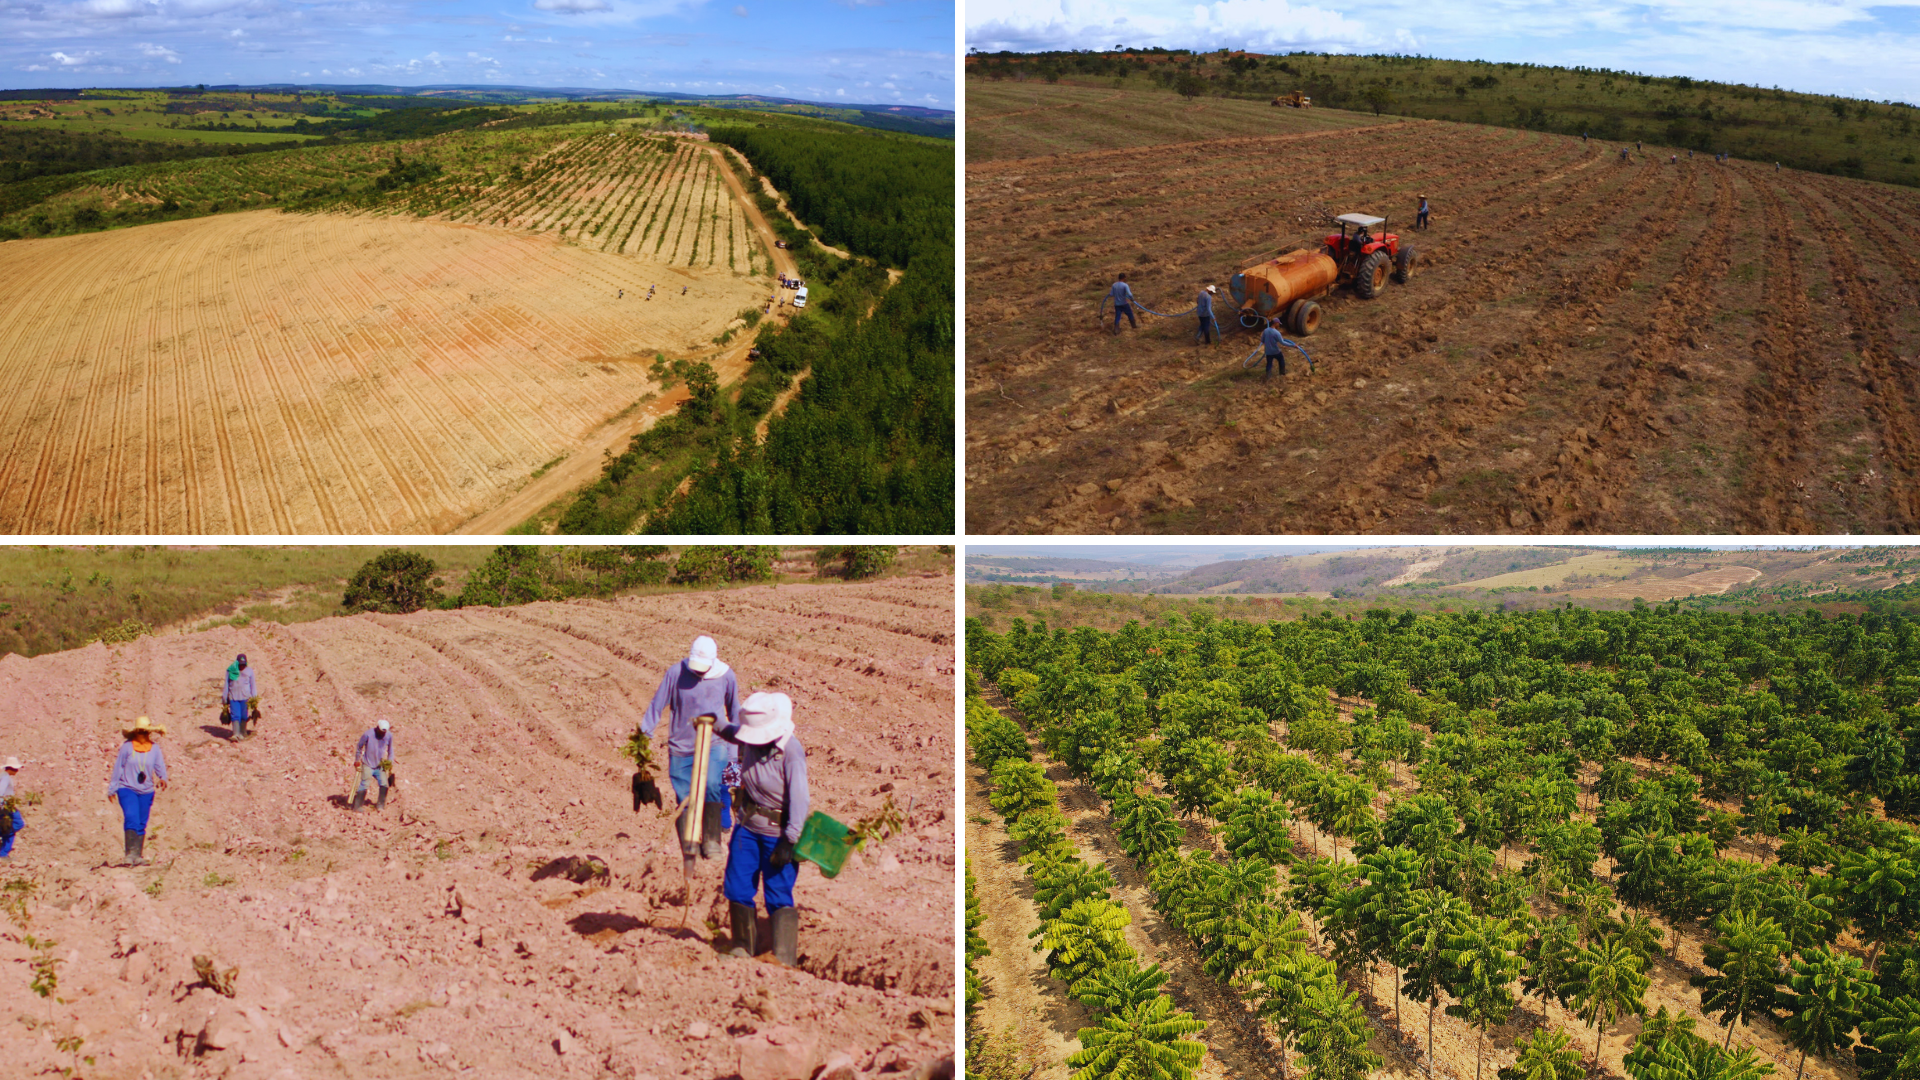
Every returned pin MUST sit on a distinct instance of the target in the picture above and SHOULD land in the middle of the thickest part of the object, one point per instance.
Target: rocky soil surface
(434, 938)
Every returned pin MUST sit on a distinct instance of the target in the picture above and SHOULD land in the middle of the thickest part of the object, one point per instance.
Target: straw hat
(142, 726)
(765, 718)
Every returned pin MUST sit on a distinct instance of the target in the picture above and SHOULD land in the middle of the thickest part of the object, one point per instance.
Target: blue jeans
(134, 808)
(680, 773)
(6, 845)
(747, 869)
(1127, 310)
(379, 777)
(1277, 358)
(237, 716)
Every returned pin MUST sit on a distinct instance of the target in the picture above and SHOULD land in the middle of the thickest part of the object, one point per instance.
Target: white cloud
(159, 52)
(116, 9)
(35, 67)
(72, 61)
(572, 6)
(740, 10)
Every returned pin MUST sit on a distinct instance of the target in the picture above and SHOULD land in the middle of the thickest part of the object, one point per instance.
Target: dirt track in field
(1586, 345)
(266, 373)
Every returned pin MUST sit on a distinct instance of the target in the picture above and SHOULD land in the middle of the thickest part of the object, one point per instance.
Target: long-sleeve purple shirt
(136, 771)
(774, 777)
(372, 749)
(684, 693)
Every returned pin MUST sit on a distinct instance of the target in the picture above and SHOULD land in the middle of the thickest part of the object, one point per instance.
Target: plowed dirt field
(267, 373)
(414, 942)
(1586, 344)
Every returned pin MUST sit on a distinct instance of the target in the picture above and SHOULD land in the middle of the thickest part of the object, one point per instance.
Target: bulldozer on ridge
(1295, 100)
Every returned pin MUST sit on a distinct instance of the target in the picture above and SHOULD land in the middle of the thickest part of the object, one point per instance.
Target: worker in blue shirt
(1270, 339)
(1205, 311)
(1122, 303)
(1420, 219)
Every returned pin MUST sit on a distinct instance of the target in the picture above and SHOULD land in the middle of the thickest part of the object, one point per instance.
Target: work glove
(730, 776)
(645, 791)
(782, 854)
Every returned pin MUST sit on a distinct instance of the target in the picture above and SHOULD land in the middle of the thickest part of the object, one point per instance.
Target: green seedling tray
(824, 842)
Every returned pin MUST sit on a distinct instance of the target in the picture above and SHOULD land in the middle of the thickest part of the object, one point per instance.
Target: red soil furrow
(616, 203)
(69, 476)
(1885, 382)
(1777, 406)
(1082, 158)
(673, 202)
(663, 195)
(656, 167)
(202, 283)
(1596, 497)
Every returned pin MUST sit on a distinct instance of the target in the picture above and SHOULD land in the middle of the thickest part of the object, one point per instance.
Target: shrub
(711, 564)
(856, 560)
(396, 582)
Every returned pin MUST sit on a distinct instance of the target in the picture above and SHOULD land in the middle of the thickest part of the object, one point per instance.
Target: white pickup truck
(800, 298)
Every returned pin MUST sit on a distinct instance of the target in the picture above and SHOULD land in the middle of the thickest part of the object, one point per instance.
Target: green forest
(867, 444)
(1522, 810)
(1816, 132)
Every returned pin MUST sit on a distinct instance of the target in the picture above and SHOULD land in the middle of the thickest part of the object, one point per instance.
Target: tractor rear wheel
(1371, 276)
(1403, 264)
(1303, 317)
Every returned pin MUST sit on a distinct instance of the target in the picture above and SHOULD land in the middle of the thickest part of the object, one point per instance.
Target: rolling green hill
(1816, 132)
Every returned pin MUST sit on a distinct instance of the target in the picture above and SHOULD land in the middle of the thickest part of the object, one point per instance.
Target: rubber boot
(786, 935)
(140, 849)
(382, 804)
(359, 797)
(710, 833)
(743, 929)
(130, 835)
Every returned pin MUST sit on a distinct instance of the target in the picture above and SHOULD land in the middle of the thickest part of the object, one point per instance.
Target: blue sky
(877, 51)
(1848, 47)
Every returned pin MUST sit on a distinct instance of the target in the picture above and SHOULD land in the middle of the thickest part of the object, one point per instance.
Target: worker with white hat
(139, 770)
(700, 685)
(773, 809)
(1204, 307)
(10, 820)
(373, 755)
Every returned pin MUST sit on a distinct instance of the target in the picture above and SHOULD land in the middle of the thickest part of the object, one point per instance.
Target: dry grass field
(267, 373)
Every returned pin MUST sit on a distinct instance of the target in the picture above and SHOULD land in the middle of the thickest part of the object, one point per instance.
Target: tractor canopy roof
(1365, 220)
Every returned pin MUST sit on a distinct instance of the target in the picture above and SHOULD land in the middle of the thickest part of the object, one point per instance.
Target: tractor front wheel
(1403, 264)
(1371, 276)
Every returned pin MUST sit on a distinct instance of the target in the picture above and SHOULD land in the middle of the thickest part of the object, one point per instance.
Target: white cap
(765, 718)
(703, 654)
(13, 763)
(382, 725)
(1211, 289)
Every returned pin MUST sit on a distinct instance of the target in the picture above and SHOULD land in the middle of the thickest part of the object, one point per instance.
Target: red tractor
(1367, 257)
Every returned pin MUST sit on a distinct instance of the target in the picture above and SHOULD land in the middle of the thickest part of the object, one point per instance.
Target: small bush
(856, 561)
(711, 564)
(396, 582)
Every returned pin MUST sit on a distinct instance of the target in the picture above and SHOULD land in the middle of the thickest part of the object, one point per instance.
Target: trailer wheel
(1303, 318)
(1403, 264)
(1371, 276)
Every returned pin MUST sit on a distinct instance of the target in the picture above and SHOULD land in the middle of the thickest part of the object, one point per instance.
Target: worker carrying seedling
(1420, 218)
(373, 757)
(700, 685)
(772, 793)
(240, 695)
(139, 770)
(1205, 310)
(1122, 294)
(10, 820)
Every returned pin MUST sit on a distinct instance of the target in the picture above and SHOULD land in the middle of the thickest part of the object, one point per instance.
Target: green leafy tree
(1893, 1041)
(1020, 786)
(396, 582)
(1746, 952)
(1608, 985)
(1831, 992)
(1552, 956)
(1878, 883)
(1257, 826)
(1333, 1033)
(1147, 829)
(713, 564)
(1385, 904)
(976, 945)
(1436, 918)
(1120, 986)
(1482, 966)
(1140, 1042)
(1544, 1055)
(1087, 938)
(1278, 989)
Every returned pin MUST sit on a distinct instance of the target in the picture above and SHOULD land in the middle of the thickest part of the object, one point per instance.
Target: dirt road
(414, 942)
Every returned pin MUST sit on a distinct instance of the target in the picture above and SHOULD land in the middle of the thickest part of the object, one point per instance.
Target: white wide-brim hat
(703, 654)
(765, 718)
(12, 763)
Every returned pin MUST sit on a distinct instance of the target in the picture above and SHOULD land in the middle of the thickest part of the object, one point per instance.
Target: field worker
(622, 296)
(700, 685)
(1420, 218)
(1204, 309)
(240, 690)
(373, 756)
(683, 290)
(139, 770)
(1636, 145)
(1122, 294)
(10, 820)
(1270, 340)
(773, 810)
